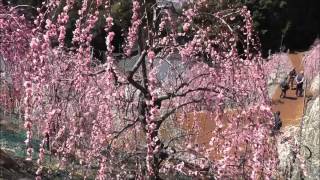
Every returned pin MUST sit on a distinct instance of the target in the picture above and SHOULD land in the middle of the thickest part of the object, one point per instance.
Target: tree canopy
(290, 23)
(112, 121)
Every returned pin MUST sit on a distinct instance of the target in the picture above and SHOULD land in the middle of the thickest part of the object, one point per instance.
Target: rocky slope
(299, 146)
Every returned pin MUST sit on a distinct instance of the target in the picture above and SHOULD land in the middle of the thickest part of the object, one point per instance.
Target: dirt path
(291, 108)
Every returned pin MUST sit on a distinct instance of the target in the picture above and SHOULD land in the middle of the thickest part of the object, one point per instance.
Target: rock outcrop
(315, 86)
(311, 138)
(303, 163)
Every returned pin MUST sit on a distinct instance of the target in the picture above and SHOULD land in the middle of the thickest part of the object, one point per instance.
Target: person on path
(292, 76)
(277, 123)
(284, 87)
(299, 81)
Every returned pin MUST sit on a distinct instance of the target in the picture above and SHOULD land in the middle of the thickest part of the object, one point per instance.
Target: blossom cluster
(133, 30)
(311, 61)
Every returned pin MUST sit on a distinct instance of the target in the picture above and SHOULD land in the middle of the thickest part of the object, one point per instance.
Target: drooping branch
(120, 132)
(168, 114)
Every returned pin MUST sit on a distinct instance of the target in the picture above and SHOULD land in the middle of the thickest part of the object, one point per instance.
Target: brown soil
(291, 108)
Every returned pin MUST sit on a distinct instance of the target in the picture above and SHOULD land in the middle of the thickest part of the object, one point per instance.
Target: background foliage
(291, 23)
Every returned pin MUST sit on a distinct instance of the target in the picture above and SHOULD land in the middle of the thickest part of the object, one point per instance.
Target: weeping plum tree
(312, 61)
(111, 117)
(15, 33)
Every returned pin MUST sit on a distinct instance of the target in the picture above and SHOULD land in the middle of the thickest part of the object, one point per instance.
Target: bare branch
(166, 115)
(137, 64)
(133, 71)
(118, 133)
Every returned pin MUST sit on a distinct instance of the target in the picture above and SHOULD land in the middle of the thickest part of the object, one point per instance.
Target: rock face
(290, 164)
(288, 168)
(315, 86)
(311, 138)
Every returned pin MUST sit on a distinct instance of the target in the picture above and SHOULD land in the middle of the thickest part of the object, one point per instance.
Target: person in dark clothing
(292, 75)
(284, 87)
(299, 80)
(277, 122)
